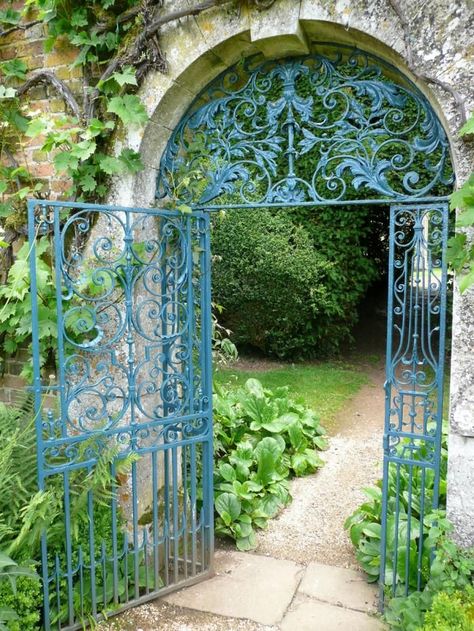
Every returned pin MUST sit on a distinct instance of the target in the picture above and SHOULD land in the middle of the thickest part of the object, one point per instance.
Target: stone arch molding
(199, 48)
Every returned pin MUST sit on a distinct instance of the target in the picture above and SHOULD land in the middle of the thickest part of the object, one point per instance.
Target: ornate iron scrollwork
(306, 129)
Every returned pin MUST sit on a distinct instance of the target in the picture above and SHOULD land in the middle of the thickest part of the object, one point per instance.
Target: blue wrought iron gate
(416, 325)
(124, 430)
(128, 442)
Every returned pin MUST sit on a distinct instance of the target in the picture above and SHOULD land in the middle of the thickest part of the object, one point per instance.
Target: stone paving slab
(316, 616)
(246, 585)
(161, 616)
(339, 586)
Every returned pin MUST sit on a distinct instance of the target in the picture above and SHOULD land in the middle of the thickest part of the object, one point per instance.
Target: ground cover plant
(324, 386)
(262, 437)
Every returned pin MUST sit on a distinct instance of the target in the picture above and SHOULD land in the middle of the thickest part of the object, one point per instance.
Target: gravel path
(311, 528)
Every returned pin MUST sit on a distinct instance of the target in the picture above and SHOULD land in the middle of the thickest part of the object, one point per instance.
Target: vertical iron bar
(207, 387)
(441, 350)
(388, 402)
(37, 399)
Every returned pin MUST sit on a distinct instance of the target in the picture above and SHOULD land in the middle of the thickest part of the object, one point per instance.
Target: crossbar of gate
(125, 449)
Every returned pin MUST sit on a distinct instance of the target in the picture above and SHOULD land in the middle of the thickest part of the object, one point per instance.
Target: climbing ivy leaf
(111, 165)
(131, 160)
(65, 161)
(126, 77)
(36, 127)
(14, 68)
(128, 108)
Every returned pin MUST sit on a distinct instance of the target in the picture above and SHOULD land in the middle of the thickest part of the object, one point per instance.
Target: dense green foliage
(25, 512)
(450, 577)
(23, 602)
(451, 612)
(280, 292)
(20, 596)
(451, 580)
(364, 525)
(15, 312)
(261, 438)
(79, 141)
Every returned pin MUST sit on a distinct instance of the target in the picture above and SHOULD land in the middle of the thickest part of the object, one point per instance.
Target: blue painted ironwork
(133, 386)
(414, 389)
(134, 326)
(310, 129)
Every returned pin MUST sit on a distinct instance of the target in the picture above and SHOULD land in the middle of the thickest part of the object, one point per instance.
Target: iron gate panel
(417, 290)
(132, 406)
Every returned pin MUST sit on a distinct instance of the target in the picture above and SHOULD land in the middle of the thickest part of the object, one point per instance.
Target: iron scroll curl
(307, 129)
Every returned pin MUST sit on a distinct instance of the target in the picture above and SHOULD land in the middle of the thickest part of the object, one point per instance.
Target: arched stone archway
(198, 49)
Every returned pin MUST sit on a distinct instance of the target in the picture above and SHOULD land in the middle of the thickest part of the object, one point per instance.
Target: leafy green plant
(261, 438)
(364, 525)
(10, 573)
(25, 601)
(461, 246)
(223, 348)
(452, 573)
(451, 612)
(15, 312)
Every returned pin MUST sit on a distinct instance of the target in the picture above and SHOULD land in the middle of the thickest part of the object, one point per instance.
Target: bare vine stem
(49, 78)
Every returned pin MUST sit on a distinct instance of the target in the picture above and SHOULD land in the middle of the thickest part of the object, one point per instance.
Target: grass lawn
(325, 387)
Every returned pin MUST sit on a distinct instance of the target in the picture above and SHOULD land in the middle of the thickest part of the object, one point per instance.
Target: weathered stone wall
(430, 42)
(426, 39)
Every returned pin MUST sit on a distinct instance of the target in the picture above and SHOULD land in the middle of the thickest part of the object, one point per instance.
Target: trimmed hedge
(289, 282)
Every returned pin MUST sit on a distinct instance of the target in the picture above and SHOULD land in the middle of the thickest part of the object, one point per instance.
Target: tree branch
(61, 88)
(20, 27)
(459, 99)
(181, 13)
(145, 39)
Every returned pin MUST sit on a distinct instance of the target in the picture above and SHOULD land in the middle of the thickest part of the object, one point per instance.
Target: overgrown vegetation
(261, 438)
(25, 512)
(446, 602)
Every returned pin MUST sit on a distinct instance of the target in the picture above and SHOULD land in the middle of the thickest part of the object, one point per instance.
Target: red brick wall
(28, 46)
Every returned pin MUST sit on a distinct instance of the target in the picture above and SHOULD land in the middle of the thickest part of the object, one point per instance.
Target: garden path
(301, 577)
(311, 528)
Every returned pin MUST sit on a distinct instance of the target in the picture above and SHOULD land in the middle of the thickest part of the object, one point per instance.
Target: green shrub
(20, 596)
(451, 612)
(278, 292)
(261, 438)
(25, 601)
(452, 573)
